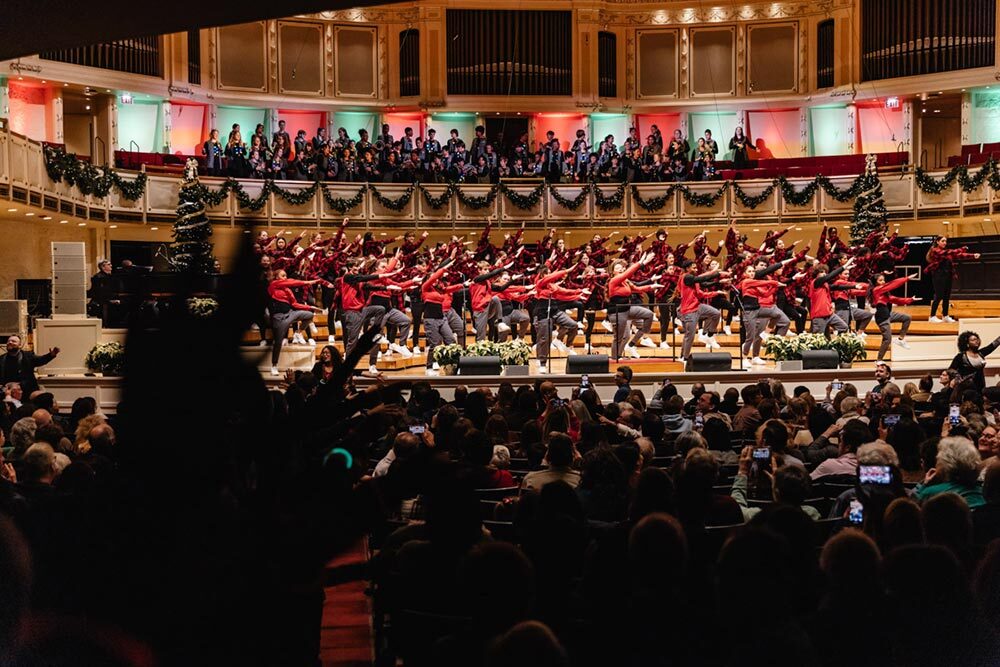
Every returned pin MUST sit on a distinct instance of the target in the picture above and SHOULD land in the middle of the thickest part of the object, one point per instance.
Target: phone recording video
(954, 414)
(699, 421)
(881, 475)
(836, 385)
(418, 429)
(890, 420)
(856, 515)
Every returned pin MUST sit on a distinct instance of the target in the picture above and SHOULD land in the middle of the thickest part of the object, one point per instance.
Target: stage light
(63, 222)
(113, 227)
(12, 210)
(29, 215)
(46, 217)
(81, 224)
(153, 229)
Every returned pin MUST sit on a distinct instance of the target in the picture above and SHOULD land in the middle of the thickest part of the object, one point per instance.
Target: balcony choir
(510, 287)
(412, 158)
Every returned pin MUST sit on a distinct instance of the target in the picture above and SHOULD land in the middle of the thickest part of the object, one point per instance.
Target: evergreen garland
(439, 202)
(617, 200)
(476, 203)
(654, 204)
(702, 199)
(801, 197)
(571, 204)
(191, 250)
(524, 202)
(65, 167)
(303, 196)
(752, 201)
(397, 204)
(341, 205)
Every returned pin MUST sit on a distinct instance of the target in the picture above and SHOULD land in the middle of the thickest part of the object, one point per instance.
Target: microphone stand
(738, 298)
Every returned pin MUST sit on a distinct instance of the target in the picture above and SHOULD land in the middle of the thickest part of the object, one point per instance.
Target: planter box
(846, 364)
(516, 370)
(790, 365)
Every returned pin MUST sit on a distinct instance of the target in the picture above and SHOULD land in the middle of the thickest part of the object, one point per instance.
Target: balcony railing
(23, 179)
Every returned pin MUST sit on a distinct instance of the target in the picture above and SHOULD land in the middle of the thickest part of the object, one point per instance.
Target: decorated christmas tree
(869, 206)
(191, 251)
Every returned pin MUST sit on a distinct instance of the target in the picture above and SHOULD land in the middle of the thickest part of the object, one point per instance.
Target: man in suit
(19, 365)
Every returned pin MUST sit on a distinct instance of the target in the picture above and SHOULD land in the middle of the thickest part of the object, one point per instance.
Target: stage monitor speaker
(709, 361)
(13, 318)
(812, 359)
(69, 278)
(587, 364)
(479, 366)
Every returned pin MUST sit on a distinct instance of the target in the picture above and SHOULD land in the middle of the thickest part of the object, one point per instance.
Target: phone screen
(856, 515)
(762, 454)
(699, 420)
(418, 429)
(890, 420)
(954, 413)
(875, 475)
(836, 385)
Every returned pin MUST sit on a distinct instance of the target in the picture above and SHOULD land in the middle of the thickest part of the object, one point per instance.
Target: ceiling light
(44, 81)
(153, 228)
(937, 111)
(87, 108)
(63, 222)
(986, 220)
(945, 222)
(46, 217)
(113, 227)
(11, 210)
(28, 215)
(81, 224)
(65, 84)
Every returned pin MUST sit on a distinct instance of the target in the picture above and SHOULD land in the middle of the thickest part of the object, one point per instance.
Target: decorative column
(167, 126)
(909, 145)
(54, 115)
(804, 131)
(4, 98)
(966, 118)
(852, 128)
(272, 122)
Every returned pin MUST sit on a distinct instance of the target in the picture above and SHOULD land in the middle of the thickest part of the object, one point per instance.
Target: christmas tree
(191, 251)
(869, 206)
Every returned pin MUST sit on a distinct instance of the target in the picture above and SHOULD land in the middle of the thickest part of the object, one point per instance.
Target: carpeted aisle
(346, 637)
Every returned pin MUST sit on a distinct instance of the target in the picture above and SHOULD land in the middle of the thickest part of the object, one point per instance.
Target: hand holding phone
(954, 414)
(856, 514)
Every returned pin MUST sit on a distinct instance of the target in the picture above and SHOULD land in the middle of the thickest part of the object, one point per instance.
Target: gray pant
(886, 329)
(280, 323)
(355, 320)
(819, 324)
(860, 316)
(398, 320)
(543, 332)
(690, 321)
(437, 332)
(455, 321)
(764, 317)
(483, 320)
(518, 322)
(642, 316)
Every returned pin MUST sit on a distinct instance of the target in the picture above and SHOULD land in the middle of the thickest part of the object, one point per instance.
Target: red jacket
(691, 293)
(281, 290)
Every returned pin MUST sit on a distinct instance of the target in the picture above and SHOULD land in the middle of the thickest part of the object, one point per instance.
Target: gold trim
(638, 64)
(320, 28)
(218, 60)
(375, 64)
(732, 82)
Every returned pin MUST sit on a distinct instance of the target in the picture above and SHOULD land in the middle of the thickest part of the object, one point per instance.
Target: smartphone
(584, 383)
(856, 515)
(557, 403)
(836, 385)
(699, 421)
(890, 420)
(954, 414)
(762, 459)
(418, 429)
(881, 475)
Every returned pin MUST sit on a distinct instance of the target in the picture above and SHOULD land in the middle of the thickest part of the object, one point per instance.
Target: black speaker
(479, 366)
(587, 364)
(812, 359)
(709, 361)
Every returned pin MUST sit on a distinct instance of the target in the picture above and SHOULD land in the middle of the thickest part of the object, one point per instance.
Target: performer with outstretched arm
(821, 288)
(624, 312)
(941, 262)
(885, 315)
(549, 300)
(692, 307)
(286, 310)
(758, 294)
(436, 327)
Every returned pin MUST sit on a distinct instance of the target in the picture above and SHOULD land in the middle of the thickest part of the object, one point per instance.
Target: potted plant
(786, 351)
(202, 307)
(850, 348)
(447, 357)
(514, 356)
(106, 358)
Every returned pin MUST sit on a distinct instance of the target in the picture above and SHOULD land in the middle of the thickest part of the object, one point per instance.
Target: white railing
(23, 178)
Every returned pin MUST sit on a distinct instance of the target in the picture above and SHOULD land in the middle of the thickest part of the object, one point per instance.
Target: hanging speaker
(479, 366)
(812, 359)
(587, 364)
(709, 361)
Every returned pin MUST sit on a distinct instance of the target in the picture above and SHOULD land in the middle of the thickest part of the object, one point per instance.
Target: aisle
(345, 635)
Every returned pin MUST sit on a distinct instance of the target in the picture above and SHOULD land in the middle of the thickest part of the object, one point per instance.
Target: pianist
(102, 293)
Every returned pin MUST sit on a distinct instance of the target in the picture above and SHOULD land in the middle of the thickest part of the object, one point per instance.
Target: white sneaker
(791, 334)
(274, 371)
(949, 318)
(254, 327)
(747, 364)
(378, 338)
(405, 352)
(678, 332)
(417, 350)
(542, 370)
(431, 371)
(764, 335)
(373, 369)
(330, 339)
(758, 361)
(713, 344)
(646, 341)
(262, 343)
(862, 335)
(702, 338)
(337, 325)
(559, 345)
(728, 330)
(387, 353)
(607, 326)
(633, 352)
(379, 357)
(902, 343)
(436, 366)
(311, 342)
(678, 322)
(502, 327)
(935, 319)
(394, 347)
(736, 318)
(664, 345)
(570, 352)
(297, 339)
(579, 326)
